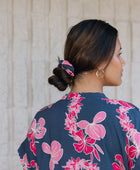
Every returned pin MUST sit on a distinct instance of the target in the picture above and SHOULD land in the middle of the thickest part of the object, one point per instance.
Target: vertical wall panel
(39, 82)
(20, 7)
(4, 6)
(20, 83)
(4, 87)
(91, 9)
(124, 91)
(57, 30)
(136, 42)
(135, 83)
(75, 8)
(39, 6)
(40, 52)
(107, 9)
(135, 10)
(20, 77)
(4, 72)
(39, 38)
(74, 13)
(135, 63)
(122, 9)
(4, 139)
(20, 123)
(72, 21)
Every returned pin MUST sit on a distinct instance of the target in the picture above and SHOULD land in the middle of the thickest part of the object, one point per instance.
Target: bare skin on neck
(87, 82)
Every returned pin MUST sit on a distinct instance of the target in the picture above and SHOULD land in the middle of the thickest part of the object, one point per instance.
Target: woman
(85, 129)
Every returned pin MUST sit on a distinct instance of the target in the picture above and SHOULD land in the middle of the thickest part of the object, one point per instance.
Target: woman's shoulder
(121, 103)
(123, 109)
(55, 107)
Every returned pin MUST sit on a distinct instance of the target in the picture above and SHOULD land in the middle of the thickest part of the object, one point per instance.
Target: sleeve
(133, 138)
(27, 150)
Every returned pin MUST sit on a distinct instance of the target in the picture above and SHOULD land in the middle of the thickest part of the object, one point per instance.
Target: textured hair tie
(68, 67)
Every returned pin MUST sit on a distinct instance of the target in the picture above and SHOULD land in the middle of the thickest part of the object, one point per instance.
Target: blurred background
(32, 36)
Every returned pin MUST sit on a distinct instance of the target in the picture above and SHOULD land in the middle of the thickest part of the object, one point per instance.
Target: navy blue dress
(83, 131)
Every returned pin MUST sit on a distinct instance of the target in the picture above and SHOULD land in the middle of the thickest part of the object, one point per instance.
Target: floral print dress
(83, 131)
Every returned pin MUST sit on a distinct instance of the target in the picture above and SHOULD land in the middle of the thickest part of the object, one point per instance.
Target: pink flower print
(25, 162)
(76, 107)
(122, 110)
(78, 164)
(76, 97)
(49, 106)
(43, 108)
(55, 151)
(111, 101)
(34, 165)
(64, 97)
(121, 165)
(40, 129)
(125, 104)
(73, 95)
(131, 153)
(37, 130)
(82, 143)
(33, 146)
(72, 115)
(125, 122)
(94, 130)
(136, 139)
(74, 164)
(70, 123)
(90, 166)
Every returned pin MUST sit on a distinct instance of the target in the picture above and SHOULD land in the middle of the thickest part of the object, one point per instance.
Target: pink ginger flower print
(79, 164)
(25, 162)
(125, 104)
(119, 166)
(34, 165)
(111, 101)
(49, 106)
(133, 135)
(82, 143)
(55, 151)
(33, 146)
(122, 103)
(64, 97)
(94, 130)
(75, 103)
(43, 108)
(136, 138)
(131, 153)
(70, 123)
(73, 109)
(86, 144)
(37, 130)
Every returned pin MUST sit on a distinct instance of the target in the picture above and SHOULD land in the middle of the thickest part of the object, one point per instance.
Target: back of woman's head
(88, 44)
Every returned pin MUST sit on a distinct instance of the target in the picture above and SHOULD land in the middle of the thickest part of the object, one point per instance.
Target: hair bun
(61, 79)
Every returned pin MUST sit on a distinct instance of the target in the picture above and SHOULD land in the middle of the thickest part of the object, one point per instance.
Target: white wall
(32, 35)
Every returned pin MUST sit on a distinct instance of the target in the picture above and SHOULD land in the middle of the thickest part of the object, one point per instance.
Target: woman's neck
(87, 83)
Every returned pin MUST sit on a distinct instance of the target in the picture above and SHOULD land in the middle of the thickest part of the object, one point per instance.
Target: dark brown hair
(88, 44)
